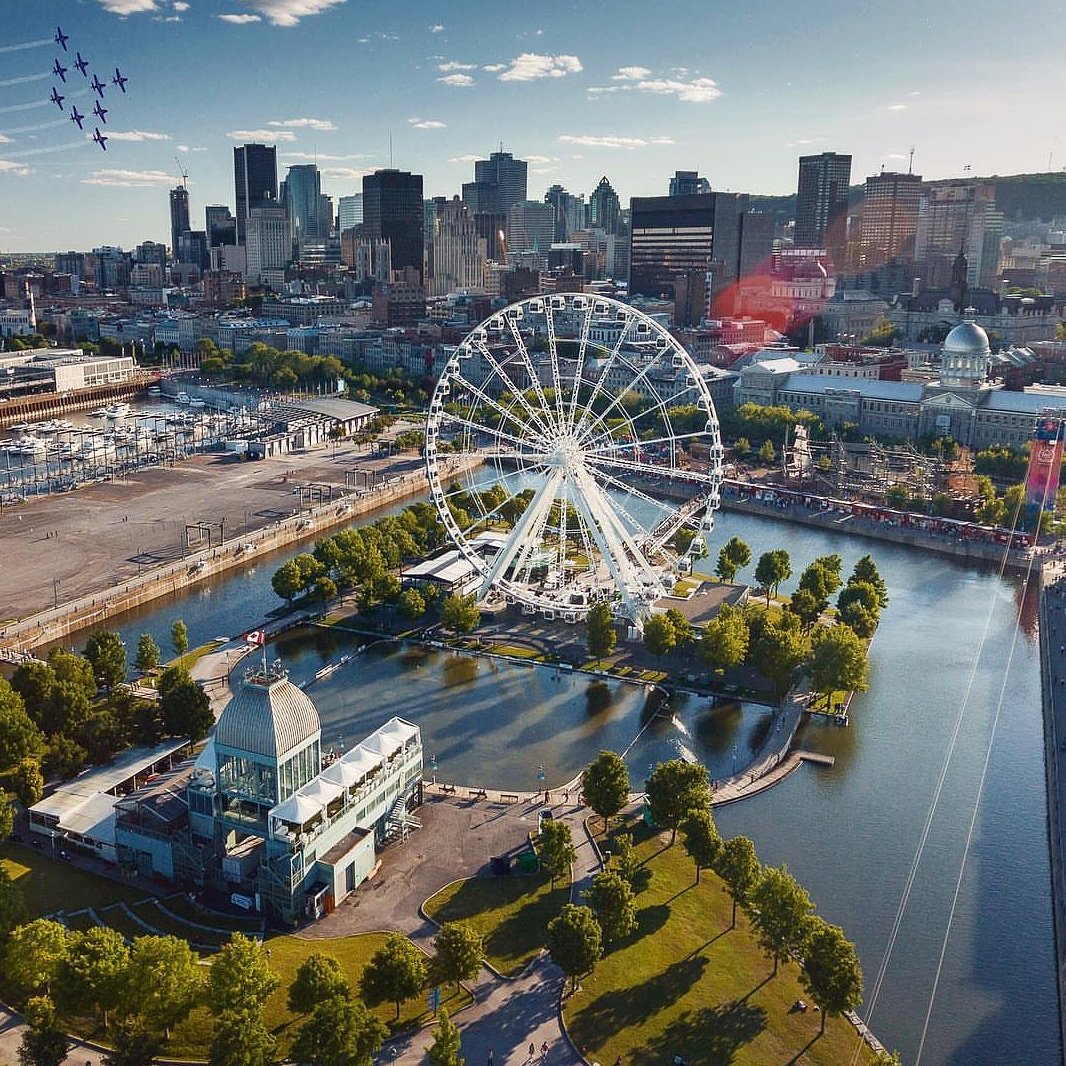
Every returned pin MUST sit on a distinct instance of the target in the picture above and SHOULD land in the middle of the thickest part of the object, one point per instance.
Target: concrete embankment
(1053, 687)
(47, 626)
(51, 405)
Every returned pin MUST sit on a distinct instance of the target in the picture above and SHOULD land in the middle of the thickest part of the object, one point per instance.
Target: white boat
(22, 427)
(100, 412)
(118, 410)
(154, 390)
(197, 403)
(32, 446)
(182, 397)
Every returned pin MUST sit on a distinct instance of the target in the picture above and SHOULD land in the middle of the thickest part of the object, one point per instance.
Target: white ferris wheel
(589, 455)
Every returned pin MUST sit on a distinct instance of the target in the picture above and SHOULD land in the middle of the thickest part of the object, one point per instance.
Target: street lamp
(56, 582)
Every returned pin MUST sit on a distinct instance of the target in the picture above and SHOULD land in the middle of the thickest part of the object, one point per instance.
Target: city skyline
(705, 90)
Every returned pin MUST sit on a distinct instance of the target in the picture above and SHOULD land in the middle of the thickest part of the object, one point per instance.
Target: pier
(56, 404)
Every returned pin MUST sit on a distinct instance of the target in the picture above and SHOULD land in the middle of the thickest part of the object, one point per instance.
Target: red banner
(1045, 462)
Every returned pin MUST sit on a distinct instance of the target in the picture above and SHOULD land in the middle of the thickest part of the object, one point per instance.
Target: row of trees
(779, 910)
(142, 991)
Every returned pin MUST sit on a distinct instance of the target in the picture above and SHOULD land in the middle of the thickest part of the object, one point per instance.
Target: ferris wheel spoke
(675, 473)
(547, 421)
(597, 388)
(630, 490)
(599, 419)
(579, 369)
(553, 355)
(479, 428)
(512, 388)
(635, 528)
(617, 446)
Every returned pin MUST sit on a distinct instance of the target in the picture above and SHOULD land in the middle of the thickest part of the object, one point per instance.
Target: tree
(19, 737)
(64, 757)
(610, 898)
(460, 614)
(163, 981)
(288, 581)
(866, 570)
(241, 1039)
(779, 648)
(659, 635)
(340, 1032)
(395, 972)
(412, 604)
(44, 1043)
(805, 606)
(574, 941)
(822, 579)
(93, 971)
(683, 631)
(738, 866)
(741, 448)
(179, 639)
(831, 971)
(35, 682)
(733, 557)
(444, 1051)
(148, 654)
(240, 979)
(772, 568)
(35, 952)
(7, 815)
(13, 911)
(185, 707)
(725, 639)
(675, 788)
(700, 839)
(767, 453)
(459, 953)
(28, 782)
(555, 848)
(605, 784)
(72, 695)
(133, 1043)
(780, 909)
(600, 633)
(859, 607)
(106, 654)
(839, 663)
(319, 977)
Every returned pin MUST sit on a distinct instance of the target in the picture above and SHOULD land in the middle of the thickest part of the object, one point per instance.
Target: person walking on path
(492, 1057)
(544, 1051)
(532, 1051)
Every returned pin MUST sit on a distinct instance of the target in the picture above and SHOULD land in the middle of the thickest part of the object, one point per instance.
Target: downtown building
(393, 211)
(958, 217)
(822, 203)
(179, 216)
(255, 180)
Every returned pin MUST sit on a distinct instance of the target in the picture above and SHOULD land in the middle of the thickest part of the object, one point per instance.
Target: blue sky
(631, 90)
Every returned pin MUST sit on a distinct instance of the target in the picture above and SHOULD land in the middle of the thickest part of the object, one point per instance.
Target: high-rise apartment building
(393, 212)
(508, 174)
(822, 202)
(179, 215)
(605, 209)
(889, 217)
(689, 183)
(954, 217)
(255, 180)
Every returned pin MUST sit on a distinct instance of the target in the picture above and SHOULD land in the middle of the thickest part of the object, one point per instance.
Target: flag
(256, 637)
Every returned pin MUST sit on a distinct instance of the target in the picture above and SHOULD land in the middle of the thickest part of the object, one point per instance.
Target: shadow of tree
(711, 1036)
(617, 1010)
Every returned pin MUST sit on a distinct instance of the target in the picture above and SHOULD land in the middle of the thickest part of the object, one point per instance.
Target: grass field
(52, 885)
(685, 984)
(511, 913)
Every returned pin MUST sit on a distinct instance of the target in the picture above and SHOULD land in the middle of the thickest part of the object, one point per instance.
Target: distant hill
(1018, 196)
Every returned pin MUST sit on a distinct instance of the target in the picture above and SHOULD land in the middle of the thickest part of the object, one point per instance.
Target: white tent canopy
(297, 809)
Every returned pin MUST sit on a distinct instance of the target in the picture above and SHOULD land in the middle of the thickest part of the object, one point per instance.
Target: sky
(633, 90)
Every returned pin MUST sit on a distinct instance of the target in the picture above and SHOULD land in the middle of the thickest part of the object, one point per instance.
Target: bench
(508, 797)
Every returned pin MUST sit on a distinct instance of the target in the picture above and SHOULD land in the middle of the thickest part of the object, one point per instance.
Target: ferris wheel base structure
(578, 407)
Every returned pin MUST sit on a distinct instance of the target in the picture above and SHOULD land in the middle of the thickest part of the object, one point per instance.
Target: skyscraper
(179, 216)
(689, 183)
(954, 217)
(530, 228)
(822, 202)
(393, 211)
(268, 244)
(220, 225)
(456, 252)
(605, 209)
(569, 212)
(889, 217)
(255, 179)
(350, 212)
(507, 174)
(303, 202)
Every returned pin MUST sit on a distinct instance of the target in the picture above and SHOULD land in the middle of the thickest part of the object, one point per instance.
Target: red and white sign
(256, 637)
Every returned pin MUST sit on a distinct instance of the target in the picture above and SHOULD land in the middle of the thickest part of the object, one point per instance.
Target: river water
(949, 642)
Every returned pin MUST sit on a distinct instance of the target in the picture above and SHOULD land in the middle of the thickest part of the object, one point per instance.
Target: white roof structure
(449, 569)
(268, 716)
(345, 774)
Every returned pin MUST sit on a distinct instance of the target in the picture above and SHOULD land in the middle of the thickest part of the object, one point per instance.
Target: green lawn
(511, 913)
(51, 885)
(685, 984)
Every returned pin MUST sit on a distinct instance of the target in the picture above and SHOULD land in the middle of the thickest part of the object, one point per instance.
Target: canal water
(949, 643)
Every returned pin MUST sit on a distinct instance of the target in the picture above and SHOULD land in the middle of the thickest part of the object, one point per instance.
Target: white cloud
(427, 124)
(262, 135)
(494, 68)
(437, 27)
(897, 107)
(540, 159)
(289, 12)
(471, 158)
(315, 156)
(186, 148)
(302, 124)
(4, 140)
(532, 65)
(137, 135)
(180, 5)
(598, 89)
(630, 74)
(240, 20)
(607, 140)
(695, 91)
(457, 80)
(18, 170)
(129, 179)
(128, 7)
(450, 64)
(346, 173)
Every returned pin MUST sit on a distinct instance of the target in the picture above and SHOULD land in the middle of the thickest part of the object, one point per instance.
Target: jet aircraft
(119, 80)
(59, 72)
(61, 38)
(57, 99)
(82, 65)
(76, 115)
(98, 86)
(100, 139)
(100, 113)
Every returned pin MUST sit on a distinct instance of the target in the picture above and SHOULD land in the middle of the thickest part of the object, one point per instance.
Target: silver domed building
(965, 357)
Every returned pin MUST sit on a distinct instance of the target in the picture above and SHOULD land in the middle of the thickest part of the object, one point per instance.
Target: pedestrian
(532, 1050)
(492, 1057)
(544, 1050)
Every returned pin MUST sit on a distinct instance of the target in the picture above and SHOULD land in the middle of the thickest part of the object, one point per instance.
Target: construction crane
(183, 172)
